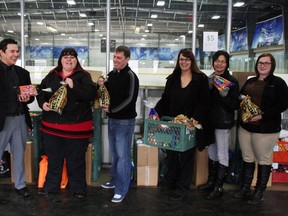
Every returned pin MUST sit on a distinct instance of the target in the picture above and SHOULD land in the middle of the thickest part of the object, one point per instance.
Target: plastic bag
(43, 168)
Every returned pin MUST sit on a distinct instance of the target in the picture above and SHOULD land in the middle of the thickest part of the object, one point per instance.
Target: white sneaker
(117, 198)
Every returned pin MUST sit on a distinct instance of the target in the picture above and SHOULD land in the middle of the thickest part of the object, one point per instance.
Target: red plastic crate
(280, 157)
(279, 177)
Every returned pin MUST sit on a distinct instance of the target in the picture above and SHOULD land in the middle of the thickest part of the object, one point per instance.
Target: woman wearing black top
(186, 92)
(258, 136)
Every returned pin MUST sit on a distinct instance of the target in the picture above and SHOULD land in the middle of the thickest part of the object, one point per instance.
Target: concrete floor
(144, 201)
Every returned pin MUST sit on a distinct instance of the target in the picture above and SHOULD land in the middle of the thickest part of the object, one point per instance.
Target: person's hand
(24, 97)
(256, 118)
(224, 92)
(46, 107)
(69, 82)
(105, 109)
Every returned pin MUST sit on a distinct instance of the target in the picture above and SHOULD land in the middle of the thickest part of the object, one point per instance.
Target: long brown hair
(188, 54)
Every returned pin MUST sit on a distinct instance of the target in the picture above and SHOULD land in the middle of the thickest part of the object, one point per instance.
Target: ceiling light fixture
(160, 3)
(51, 28)
(19, 14)
(154, 16)
(146, 30)
(40, 23)
(10, 31)
(190, 32)
(238, 4)
(201, 25)
(149, 24)
(82, 15)
(216, 17)
(90, 24)
(71, 2)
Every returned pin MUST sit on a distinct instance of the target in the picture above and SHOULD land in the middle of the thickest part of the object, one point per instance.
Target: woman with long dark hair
(186, 92)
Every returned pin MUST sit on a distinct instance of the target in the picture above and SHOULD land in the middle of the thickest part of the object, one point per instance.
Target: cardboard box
(147, 165)
(88, 159)
(29, 163)
(200, 175)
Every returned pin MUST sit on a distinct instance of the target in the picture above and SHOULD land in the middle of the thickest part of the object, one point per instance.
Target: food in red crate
(283, 146)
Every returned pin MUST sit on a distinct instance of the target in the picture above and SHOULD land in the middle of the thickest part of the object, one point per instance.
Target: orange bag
(43, 167)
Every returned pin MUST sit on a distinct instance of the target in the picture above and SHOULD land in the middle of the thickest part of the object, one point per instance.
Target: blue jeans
(120, 133)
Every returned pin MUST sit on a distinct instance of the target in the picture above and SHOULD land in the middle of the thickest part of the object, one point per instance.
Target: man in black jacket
(123, 87)
(14, 114)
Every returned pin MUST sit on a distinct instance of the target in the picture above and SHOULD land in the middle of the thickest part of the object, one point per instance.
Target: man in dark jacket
(14, 114)
(123, 86)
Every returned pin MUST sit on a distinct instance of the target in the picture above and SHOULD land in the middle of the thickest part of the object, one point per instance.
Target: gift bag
(234, 173)
(58, 100)
(43, 168)
(102, 98)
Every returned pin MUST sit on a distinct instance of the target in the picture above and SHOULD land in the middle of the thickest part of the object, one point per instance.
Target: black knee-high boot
(218, 189)
(248, 172)
(261, 184)
(212, 176)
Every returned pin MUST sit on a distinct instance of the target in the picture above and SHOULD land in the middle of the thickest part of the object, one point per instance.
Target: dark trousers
(73, 150)
(180, 169)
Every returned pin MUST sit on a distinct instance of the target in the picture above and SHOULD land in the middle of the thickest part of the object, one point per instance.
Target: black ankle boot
(262, 180)
(248, 172)
(256, 198)
(217, 192)
(218, 189)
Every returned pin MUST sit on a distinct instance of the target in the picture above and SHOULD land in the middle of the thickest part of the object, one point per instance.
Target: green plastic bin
(168, 135)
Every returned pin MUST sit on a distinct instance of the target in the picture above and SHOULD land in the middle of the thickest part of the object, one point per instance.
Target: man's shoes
(176, 196)
(43, 192)
(117, 198)
(108, 185)
(24, 192)
(79, 195)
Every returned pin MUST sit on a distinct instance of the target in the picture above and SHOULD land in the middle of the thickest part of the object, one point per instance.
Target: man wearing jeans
(123, 86)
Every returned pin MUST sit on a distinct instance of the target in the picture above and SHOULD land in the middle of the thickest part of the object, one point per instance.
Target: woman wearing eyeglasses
(186, 92)
(258, 136)
(224, 94)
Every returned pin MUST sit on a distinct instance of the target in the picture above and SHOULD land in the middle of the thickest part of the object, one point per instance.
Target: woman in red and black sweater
(66, 135)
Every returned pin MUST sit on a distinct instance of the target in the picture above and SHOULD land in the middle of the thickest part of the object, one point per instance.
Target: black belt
(14, 114)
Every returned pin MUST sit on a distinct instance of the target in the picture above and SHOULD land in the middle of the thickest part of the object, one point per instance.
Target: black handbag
(234, 173)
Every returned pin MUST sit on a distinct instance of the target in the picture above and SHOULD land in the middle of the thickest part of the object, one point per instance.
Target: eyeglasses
(186, 59)
(265, 64)
(220, 62)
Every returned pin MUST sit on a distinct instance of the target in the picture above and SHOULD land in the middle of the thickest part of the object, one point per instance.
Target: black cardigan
(274, 102)
(195, 106)
(24, 79)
